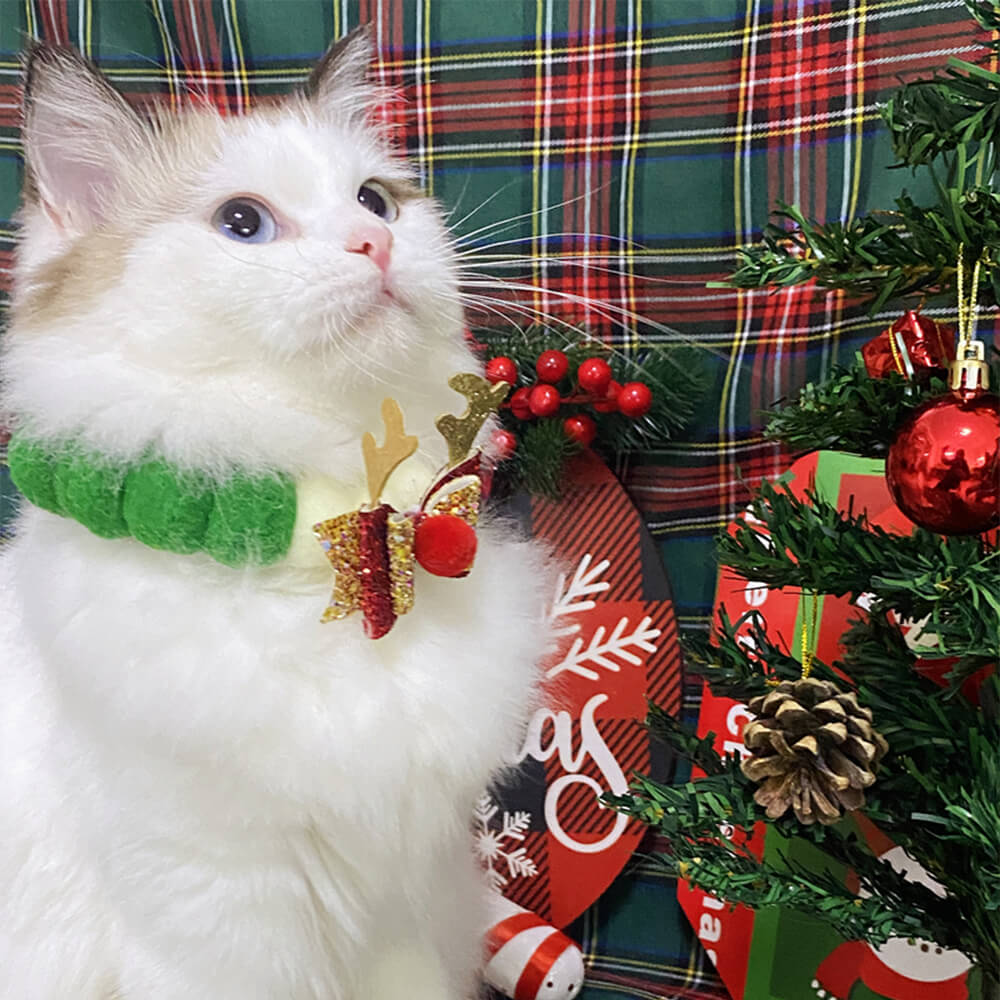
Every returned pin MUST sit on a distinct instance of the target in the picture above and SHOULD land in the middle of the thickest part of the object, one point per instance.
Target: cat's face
(294, 235)
(291, 233)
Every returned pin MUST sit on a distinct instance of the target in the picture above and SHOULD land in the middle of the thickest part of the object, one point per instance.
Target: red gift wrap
(913, 346)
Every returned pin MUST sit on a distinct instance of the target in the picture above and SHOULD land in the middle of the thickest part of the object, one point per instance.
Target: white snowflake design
(574, 598)
(604, 649)
(495, 843)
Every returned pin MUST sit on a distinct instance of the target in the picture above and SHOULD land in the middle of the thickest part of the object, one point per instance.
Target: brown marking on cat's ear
(341, 75)
(79, 136)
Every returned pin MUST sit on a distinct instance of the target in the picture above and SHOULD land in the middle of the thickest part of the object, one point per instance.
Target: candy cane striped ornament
(527, 958)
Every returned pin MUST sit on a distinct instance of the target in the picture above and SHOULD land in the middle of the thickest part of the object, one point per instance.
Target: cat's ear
(340, 79)
(79, 135)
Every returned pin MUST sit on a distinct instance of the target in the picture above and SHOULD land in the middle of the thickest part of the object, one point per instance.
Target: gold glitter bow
(372, 549)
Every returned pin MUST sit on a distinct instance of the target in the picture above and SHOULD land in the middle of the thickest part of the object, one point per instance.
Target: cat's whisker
(532, 313)
(575, 335)
(601, 308)
(486, 305)
(465, 237)
(484, 248)
(584, 263)
(249, 262)
(606, 310)
(478, 208)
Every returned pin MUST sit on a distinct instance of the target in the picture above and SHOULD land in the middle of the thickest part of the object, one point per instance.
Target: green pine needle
(539, 461)
(849, 411)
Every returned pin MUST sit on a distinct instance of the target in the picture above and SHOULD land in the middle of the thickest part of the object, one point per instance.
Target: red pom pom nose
(445, 545)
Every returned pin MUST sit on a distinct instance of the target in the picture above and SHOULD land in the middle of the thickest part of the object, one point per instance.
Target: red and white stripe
(527, 958)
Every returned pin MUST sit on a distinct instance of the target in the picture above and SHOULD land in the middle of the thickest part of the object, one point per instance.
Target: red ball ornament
(610, 402)
(634, 399)
(943, 468)
(552, 366)
(444, 545)
(519, 404)
(580, 428)
(505, 443)
(544, 400)
(501, 369)
(594, 375)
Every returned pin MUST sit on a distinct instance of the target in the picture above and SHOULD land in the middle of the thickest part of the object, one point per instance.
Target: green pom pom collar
(247, 520)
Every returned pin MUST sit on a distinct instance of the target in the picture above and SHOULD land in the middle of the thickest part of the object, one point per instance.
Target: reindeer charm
(373, 549)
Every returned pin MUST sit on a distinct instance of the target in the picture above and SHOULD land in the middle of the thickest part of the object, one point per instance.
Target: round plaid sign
(546, 841)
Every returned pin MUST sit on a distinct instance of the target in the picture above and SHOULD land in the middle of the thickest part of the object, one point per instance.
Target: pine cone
(814, 750)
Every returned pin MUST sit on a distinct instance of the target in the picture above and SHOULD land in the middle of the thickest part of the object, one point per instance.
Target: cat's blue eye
(378, 201)
(245, 220)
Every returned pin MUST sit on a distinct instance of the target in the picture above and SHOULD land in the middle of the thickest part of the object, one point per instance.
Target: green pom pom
(251, 521)
(89, 489)
(165, 508)
(245, 521)
(32, 469)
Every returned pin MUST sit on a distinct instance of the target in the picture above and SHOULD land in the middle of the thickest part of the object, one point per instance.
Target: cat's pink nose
(372, 239)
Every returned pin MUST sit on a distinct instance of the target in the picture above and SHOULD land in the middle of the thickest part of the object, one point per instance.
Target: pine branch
(874, 919)
(542, 451)
(930, 118)
(811, 545)
(691, 816)
(850, 411)
(853, 412)
(739, 658)
(926, 727)
(949, 125)
(882, 256)
(987, 15)
(684, 741)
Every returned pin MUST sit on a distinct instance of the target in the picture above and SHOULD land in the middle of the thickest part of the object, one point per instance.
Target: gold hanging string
(807, 637)
(807, 634)
(969, 371)
(967, 306)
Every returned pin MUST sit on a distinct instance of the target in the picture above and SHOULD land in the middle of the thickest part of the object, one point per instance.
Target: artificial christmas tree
(935, 792)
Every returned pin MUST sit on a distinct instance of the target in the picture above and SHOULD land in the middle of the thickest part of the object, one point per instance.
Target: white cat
(206, 794)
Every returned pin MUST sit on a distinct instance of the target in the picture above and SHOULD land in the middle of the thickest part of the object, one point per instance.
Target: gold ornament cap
(969, 372)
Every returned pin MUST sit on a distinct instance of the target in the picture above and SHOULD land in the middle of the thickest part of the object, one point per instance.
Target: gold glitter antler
(398, 447)
(484, 398)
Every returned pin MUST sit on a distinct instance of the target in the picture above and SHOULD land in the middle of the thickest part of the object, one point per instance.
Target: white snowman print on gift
(902, 968)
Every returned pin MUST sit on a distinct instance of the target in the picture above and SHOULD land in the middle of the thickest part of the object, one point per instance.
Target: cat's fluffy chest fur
(205, 792)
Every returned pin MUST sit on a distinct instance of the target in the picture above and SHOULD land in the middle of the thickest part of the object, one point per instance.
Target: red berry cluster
(594, 387)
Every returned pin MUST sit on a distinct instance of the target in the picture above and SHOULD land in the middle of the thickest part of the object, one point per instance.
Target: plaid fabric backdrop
(613, 150)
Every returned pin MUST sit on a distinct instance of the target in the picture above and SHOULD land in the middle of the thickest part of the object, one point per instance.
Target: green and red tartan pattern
(633, 144)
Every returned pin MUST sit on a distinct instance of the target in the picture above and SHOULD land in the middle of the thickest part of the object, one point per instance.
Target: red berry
(444, 545)
(552, 366)
(519, 404)
(501, 369)
(634, 399)
(580, 428)
(610, 402)
(544, 400)
(594, 375)
(505, 443)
